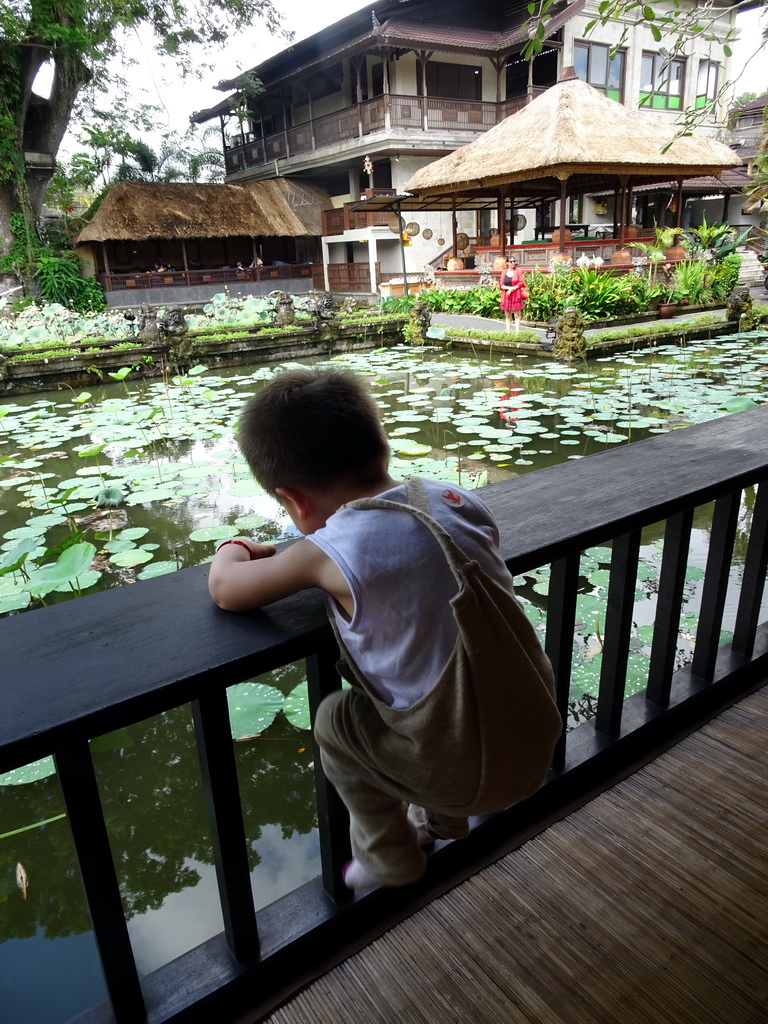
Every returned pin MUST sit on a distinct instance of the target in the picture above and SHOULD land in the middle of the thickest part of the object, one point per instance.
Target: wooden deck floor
(649, 904)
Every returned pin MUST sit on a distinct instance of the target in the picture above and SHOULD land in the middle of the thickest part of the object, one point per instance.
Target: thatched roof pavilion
(570, 140)
(135, 211)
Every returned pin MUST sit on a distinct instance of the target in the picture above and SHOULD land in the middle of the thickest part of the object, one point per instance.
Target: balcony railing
(224, 275)
(337, 221)
(420, 113)
(163, 644)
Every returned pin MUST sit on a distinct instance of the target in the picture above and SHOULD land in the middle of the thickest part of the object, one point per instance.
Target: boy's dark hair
(308, 429)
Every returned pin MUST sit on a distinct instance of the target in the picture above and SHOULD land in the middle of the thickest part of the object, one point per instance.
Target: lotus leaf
(296, 707)
(252, 708)
(29, 773)
(70, 564)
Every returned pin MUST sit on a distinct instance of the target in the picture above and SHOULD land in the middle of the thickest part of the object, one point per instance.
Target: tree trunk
(42, 124)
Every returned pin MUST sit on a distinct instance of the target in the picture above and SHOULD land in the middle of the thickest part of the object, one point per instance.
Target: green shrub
(397, 304)
(726, 275)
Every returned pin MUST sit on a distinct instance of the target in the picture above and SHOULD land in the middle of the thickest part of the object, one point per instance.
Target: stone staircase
(752, 271)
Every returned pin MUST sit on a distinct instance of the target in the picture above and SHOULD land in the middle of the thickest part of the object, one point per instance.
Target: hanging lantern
(462, 240)
(426, 233)
(412, 228)
(396, 224)
(367, 165)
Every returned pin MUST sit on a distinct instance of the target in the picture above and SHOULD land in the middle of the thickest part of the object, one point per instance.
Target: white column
(372, 254)
(326, 250)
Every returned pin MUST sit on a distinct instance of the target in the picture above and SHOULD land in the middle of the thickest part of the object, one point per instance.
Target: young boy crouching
(450, 713)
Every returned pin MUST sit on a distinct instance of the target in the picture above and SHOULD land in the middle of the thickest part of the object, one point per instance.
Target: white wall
(639, 38)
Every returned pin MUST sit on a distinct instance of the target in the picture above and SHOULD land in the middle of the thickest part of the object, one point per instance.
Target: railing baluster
(80, 790)
(561, 622)
(753, 580)
(618, 627)
(222, 799)
(724, 521)
(677, 539)
(333, 820)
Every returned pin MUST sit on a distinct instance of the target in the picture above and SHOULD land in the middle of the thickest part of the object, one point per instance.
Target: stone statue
(348, 306)
(285, 314)
(739, 308)
(147, 325)
(570, 342)
(429, 274)
(483, 267)
(173, 322)
(421, 316)
(324, 306)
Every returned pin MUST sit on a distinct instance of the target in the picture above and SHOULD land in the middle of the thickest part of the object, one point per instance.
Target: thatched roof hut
(135, 211)
(572, 133)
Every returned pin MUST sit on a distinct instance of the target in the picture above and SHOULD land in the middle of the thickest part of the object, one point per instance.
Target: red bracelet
(242, 545)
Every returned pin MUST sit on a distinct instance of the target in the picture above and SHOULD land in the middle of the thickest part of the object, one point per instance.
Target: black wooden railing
(77, 670)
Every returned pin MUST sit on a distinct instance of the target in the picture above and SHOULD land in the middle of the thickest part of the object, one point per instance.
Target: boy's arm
(237, 583)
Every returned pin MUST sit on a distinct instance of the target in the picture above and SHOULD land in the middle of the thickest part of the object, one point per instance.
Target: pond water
(162, 452)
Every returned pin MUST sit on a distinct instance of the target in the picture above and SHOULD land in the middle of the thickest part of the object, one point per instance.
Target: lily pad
(252, 708)
(208, 533)
(127, 559)
(158, 569)
(296, 707)
(29, 772)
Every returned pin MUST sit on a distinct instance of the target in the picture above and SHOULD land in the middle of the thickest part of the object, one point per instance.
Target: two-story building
(373, 98)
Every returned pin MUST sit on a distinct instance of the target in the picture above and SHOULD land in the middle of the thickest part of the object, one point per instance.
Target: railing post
(561, 621)
(724, 521)
(333, 820)
(753, 581)
(222, 798)
(674, 562)
(618, 627)
(80, 790)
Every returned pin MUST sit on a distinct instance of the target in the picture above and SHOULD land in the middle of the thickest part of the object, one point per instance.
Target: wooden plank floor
(649, 904)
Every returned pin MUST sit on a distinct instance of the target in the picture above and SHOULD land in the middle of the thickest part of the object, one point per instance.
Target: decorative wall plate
(462, 240)
(426, 233)
(520, 221)
(441, 241)
(412, 228)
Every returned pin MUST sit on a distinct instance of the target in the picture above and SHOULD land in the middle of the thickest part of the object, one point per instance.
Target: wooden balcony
(214, 275)
(336, 222)
(666, 874)
(429, 114)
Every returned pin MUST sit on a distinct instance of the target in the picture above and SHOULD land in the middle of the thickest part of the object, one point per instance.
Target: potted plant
(667, 240)
(668, 299)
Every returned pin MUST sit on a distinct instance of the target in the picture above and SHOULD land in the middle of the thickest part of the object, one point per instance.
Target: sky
(159, 84)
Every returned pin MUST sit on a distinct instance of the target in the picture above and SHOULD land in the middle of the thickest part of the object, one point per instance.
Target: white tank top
(402, 630)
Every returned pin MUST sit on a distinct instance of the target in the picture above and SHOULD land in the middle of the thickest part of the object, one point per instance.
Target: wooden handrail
(165, 644)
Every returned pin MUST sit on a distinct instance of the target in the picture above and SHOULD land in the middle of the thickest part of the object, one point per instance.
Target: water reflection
(445, 416)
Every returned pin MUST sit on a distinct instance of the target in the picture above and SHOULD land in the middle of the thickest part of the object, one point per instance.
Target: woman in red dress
(512, 289)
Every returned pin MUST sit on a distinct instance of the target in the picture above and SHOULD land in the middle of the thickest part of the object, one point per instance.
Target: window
(706, 86)
(452, 81)
(661, 82)
(593, 64)
(574, 209)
